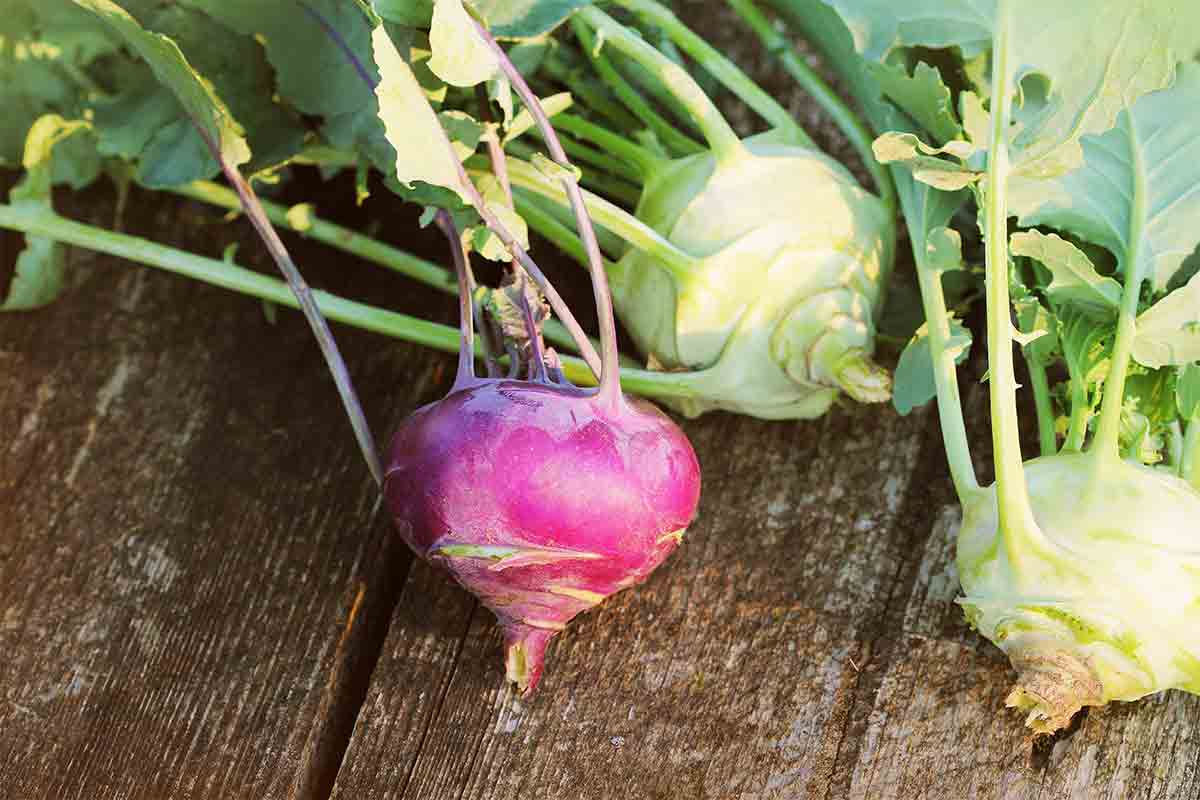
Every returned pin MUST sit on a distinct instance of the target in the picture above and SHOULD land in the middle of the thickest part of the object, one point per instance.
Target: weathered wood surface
(191, 564)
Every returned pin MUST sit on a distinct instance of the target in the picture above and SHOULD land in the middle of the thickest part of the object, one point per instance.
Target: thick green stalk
(355, 243)
(612, 186)
(1047, 440)
(609, 216)
(1020, 529)
(639, 157)
(720, 67)
(254, 284)
(612, 245)
(320, 230)
(1081, 412)
(945, 379)
(593, 93)
(1109, 427)
(670, 136)
(721, 138)
(549, 227)
(612, 164)
(847, 121)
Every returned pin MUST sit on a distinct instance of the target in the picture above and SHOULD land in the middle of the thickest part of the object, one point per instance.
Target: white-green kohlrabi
(1083, 564)
(755, 267)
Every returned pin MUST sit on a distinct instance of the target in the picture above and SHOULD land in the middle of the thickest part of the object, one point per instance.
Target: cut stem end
(525, 654)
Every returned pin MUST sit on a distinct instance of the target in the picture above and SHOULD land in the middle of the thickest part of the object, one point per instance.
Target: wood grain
(192, 569)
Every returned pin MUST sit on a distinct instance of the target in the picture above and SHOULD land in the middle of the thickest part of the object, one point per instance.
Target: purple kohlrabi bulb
(541, 500)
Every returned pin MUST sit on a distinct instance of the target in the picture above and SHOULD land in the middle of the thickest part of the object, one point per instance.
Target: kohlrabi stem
(344, 239)
(350, 241)
(611, 245)
(519, 253)
(1016, 514)
(494, 146)
(308, 306)
(720, 67)
(466, 315)
(1108, 429)
(945, 377)
(611, 217)
(610, 387)
(593, 93)
(847, 121)
(639, 157)
(721, 138)
(614, 187)
(1081, 411)
(1190, 463)
(667, 133)
(225, 275)
(551, 228)
(613, 164)
(1047, 440)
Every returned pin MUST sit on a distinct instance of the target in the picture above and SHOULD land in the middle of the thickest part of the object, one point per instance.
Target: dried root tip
(1051, 687)
(524, 655)
(862, 378)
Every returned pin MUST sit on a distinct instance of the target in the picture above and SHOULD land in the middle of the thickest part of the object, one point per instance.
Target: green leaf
(1138, 191)
(1187, 391)
(461, 56)
(943, 250)
(1083, 346)
(320, 53)
(922, 95)
(481, 238)
(463, 130)
(521, 19)
(1168, 333)
(1037, 330)
(1080, 62)
(415, 13)
(195, 93)
(508, 19)
(41, 265)
(239, 71)
(913, 381)
(422, 151)
(1075, 280)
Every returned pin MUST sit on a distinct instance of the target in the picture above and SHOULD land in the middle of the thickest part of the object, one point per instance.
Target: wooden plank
(192, 570)
(731, 673)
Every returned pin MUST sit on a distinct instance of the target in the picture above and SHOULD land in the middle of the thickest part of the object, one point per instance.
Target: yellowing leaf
(410, 124)
(461, 57)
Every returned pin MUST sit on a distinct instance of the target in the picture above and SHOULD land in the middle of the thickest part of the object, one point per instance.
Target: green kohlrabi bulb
(1104, 603)
(779, 310)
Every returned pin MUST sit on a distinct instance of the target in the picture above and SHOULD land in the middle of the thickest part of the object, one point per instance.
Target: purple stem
(537, 367)
(495, 149)
(610, 386)
(466, 305)
(537, 364)
(552, 296)
(486, 335)
(555, 299)
(320, 328)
